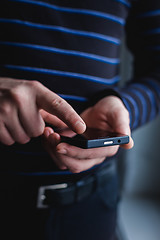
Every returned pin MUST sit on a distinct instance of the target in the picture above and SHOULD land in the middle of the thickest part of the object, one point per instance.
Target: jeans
(93, 218)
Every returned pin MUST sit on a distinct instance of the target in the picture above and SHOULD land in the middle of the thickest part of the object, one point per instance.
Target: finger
(77, 166)
(79, 153)
(50, 140)
(52, 137)
(5, 136)
(16, 130)
(58, 162)
(55, 105)
(49, 118)
(31, 120)
(47, 131)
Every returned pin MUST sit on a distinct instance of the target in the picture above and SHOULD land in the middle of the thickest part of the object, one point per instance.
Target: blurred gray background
(139, 210)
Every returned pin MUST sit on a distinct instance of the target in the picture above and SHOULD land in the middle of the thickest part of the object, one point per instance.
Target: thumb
(122, 125)
(128, 145)
(52, 103)
(124, 128)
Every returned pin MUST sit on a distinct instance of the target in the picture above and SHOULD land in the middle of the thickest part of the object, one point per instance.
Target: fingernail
(48, 132)
(80, 124)
(62, 151)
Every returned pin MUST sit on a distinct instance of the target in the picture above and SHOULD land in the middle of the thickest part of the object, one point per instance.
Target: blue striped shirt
(73, 48)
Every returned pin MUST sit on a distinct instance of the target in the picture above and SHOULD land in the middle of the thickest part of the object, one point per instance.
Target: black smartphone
(93, 138)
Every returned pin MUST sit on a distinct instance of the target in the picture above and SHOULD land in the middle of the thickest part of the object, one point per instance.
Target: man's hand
(26, 105)
(108, 114)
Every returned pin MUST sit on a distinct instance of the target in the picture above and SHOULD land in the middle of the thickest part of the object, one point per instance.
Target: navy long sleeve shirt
(73, 48)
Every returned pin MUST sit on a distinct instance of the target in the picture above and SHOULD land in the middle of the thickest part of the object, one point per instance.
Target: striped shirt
(73, 48)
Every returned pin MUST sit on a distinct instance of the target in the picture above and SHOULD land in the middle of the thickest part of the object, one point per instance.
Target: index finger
(52, 103)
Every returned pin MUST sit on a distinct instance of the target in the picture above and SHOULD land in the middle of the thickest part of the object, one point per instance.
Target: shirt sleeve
(141, 95)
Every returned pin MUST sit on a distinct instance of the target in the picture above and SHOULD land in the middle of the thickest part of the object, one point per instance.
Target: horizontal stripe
(135, 107)
(124, 2)
(106, 81)
(155, 86)
(63, 29)
(150, 96)
(149, 14)
(72, 97)
(41, 173)
(75, 10)
(143, 102)
(63, 51)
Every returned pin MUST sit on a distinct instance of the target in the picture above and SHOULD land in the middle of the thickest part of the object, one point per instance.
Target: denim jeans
(93, 218)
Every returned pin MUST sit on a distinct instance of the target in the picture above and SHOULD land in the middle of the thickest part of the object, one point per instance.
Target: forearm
(142, 99)
(142, 95)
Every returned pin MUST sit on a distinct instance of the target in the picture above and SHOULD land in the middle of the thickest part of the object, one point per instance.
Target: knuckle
(23, 93)
(18, 97)
(5, 108)
(34, 84)
(57, 103)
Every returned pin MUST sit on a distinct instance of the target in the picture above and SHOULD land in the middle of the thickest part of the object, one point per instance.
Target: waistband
(43, 193)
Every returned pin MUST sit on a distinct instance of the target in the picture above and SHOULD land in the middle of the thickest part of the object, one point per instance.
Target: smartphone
(93, 138)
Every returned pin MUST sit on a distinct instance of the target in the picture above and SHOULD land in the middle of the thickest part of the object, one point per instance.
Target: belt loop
(78, 185)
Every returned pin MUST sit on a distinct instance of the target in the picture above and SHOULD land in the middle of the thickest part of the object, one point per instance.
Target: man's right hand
(21, 103)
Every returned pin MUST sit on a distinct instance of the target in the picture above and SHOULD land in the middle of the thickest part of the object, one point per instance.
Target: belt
(62, 194)
(66, 193)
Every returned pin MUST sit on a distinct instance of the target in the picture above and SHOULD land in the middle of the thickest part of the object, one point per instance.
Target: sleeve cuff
(102, 94)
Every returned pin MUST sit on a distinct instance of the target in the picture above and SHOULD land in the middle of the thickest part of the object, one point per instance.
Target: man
(58, 50)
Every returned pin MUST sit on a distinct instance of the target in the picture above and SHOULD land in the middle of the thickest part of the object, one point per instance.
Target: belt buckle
(41, 193)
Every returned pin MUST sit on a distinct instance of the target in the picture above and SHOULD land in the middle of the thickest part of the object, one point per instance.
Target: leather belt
(33, 194)
(66, 193)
